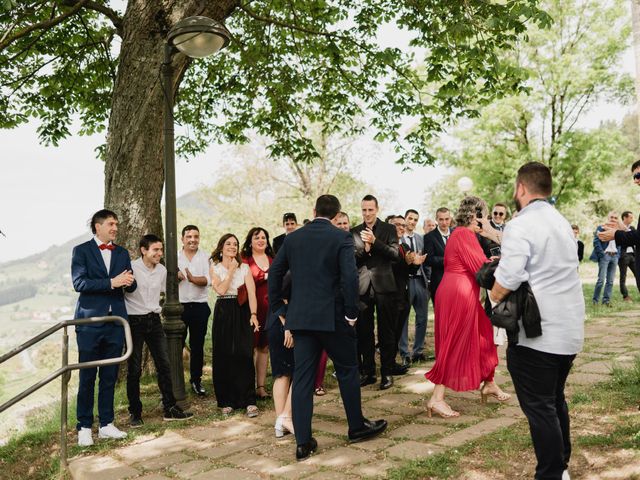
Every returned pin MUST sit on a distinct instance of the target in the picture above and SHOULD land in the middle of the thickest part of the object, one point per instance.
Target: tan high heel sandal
(432, 408)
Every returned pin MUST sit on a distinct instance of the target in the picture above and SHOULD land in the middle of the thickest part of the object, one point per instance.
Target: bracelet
(253, 314)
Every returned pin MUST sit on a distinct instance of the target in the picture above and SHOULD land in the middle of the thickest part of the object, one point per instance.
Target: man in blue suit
(321, 314)
(101, 273)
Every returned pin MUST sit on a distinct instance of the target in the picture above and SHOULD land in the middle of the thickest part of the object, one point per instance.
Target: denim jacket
(599, 247)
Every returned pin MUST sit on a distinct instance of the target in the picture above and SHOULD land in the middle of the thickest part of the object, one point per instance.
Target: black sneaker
(197, 388)
(135, 421)
(176, 413)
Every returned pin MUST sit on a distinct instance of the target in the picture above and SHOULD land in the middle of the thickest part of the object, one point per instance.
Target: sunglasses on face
(636, 176)
(498, 214)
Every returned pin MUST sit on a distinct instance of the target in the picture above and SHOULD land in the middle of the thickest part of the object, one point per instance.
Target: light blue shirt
(538, 247)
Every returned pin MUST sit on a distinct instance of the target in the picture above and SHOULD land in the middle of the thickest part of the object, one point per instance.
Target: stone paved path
(242, 448)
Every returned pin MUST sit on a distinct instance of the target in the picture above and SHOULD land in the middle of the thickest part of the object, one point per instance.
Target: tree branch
(111, 14)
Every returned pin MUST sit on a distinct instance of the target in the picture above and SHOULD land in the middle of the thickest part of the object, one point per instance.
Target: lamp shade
(465, 184)
(198, 37)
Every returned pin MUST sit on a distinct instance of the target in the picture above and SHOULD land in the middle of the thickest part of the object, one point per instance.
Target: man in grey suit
(321, 314)
(418, 293)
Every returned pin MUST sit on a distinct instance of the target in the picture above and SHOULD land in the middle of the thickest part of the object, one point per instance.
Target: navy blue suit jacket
(91, 280)
(324, 278)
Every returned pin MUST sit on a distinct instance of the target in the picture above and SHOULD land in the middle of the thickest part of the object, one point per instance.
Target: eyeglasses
(403, 225)
(636, 176)
(498, 214)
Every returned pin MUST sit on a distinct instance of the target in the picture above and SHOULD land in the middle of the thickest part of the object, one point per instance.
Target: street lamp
(465, 184)
(195, 37)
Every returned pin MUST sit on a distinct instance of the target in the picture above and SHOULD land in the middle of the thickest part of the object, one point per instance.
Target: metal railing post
(64, 389)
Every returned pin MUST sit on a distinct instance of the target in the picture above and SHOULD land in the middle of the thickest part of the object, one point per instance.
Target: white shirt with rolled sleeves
(538, 247)
(146, 298)
(199, 267)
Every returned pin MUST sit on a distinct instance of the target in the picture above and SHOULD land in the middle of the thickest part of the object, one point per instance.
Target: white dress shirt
(106, 253)
(199, 267)
(538, 247)
(611, 247)
(151, 282)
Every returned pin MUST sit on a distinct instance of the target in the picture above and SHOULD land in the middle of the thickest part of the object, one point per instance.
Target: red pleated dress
(465, 352)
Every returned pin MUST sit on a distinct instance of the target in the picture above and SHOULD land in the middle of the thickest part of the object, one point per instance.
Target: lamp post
(195, 37)
(465, 184)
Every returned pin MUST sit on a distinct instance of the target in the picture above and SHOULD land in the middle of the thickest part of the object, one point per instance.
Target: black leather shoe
(198, 389)
(399, 369)
(406, 362)
(368, 430)
(386, 382)
(367, 380)
(306, 449)
(419, 358)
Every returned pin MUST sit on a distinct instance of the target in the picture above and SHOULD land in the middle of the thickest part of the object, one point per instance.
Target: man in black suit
(321, 314)
(434, 244)
(376, 245)
(627, 259)
(290, 224)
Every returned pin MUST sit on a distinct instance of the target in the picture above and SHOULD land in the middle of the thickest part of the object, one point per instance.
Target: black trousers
(539, 379)
(386, 311)
(627, 260)
(196, 317)
(148, 329)
(341, 347)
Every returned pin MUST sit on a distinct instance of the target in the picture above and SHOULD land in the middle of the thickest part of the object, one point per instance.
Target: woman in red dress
(465, 352)
(258, 254)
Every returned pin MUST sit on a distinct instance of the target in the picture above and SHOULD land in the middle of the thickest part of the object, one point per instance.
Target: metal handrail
(65, 369)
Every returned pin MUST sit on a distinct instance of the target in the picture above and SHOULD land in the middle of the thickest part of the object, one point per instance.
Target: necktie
(413, 248)
(107, 246)
(446, 238)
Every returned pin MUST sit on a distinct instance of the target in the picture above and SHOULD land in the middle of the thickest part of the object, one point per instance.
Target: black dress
(281, 357)
(233, 370)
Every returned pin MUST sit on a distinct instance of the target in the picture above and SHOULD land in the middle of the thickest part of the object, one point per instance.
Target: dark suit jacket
(629, 239)
(374, 267)
(324, 281)
(91, 280)
(434, 248)
(277, 242)
(401, 273)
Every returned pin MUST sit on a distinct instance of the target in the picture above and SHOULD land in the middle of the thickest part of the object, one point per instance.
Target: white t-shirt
(199, 267)
(146, 297)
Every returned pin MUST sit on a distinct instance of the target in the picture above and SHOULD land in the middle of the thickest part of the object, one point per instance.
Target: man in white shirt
(418, 294)
(193, 274)
(627, 259)
(538, 247)
(143, 309)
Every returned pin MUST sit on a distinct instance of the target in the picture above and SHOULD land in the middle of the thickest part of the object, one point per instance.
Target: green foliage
(288, 60)
(571, 66)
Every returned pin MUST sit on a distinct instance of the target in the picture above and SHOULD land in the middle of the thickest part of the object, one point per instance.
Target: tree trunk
(635, 21)
(134, 172)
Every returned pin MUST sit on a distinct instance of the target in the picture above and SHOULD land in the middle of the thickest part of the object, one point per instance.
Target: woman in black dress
(233, 327)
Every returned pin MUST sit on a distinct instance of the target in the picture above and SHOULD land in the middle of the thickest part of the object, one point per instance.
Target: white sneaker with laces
(85, 439)
(565, 475)
(110, 431)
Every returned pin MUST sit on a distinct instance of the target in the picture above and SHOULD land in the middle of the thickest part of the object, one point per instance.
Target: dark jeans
(539, 379)
(627, 260)
(97, 343)
(148, 328)
(196, 316)
(419, 299)
(387, 314)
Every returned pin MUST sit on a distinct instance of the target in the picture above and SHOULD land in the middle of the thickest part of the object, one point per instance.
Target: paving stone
(170, 442)
(601, 367)
(282, 450)
(581, 378)
(394, 401)
(476, 431)
(189, 469)
(257, 463)
(337, 428)
(164, 461)
(417, 431)
(294, 471)
(100, 468)
(339, 457)
(512, 411)
(331, 475)
(437, 420)
(226, 473)
(153, 476)
(332, 409)
(377, 468)
(412, 450)
(374, 445)
(227, 448)
(233, 427)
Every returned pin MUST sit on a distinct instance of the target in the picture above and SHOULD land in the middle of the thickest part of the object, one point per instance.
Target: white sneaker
(85, 439)
(565, 475)
(110, 431)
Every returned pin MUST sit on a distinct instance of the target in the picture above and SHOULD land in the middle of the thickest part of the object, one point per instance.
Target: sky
(48, 194)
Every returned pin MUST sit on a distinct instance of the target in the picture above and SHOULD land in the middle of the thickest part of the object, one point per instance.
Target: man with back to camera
(101, 273)
(143, 308)
(321, 314)
(193, 275)
(418, 293)
(376, 247)
(290, 224)
(538, 247)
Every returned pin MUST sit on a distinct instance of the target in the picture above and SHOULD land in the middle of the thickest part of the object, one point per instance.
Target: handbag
(243, 295)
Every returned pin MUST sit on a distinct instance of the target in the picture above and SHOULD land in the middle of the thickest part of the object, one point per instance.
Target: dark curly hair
(469, 207)
(246, 251)
(216, 255)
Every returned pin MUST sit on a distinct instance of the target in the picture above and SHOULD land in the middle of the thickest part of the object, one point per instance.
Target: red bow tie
(107, 246)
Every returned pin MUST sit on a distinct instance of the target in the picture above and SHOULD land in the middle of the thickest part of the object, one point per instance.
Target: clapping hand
(608, 233)
(124, 279)
(410, 258)
(419, 259)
